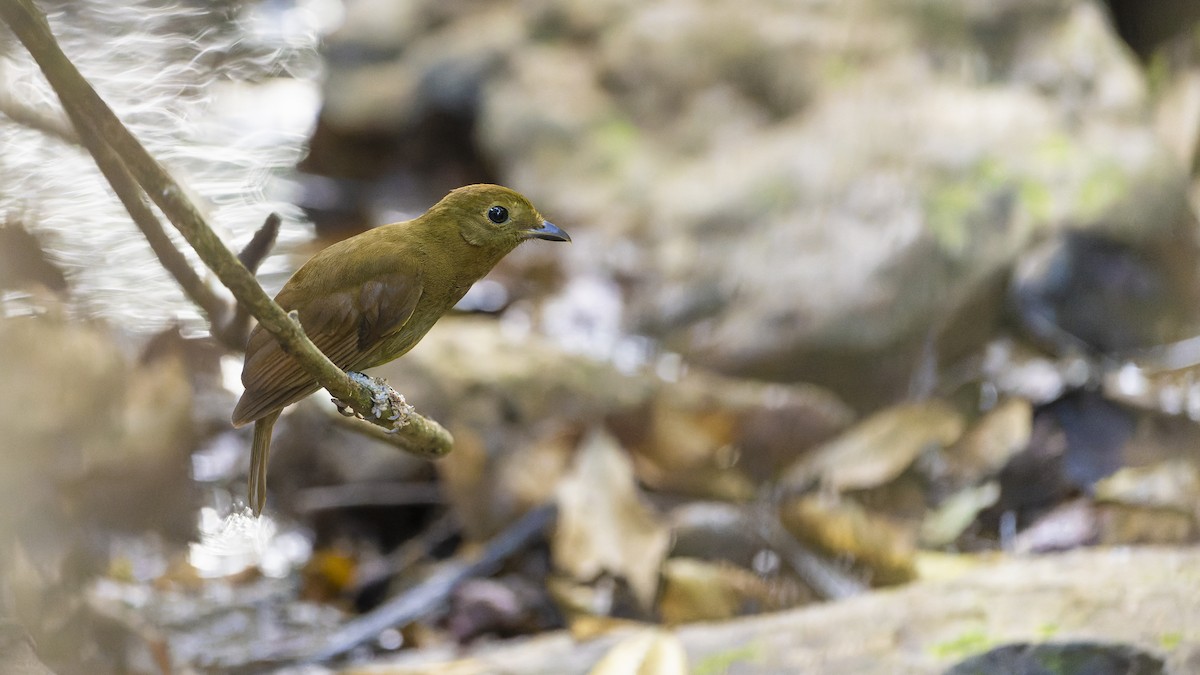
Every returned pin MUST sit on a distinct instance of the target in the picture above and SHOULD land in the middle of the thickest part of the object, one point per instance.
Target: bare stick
(422, 599)
(252, 255)
(48, 123)
(260, 244)
(94, 120)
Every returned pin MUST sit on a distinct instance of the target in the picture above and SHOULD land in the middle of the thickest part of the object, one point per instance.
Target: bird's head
(496, 218)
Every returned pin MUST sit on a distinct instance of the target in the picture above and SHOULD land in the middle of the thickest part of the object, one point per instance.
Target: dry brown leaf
(692, 449)
(940, 566)
(717, 483)
(1134, 524)
(603, 524)
(531, 474)
(587, 607)
(941, 526)
(1170, 485)
(842, 527)
(697, 590)
(701, 590)
(878, 449)
(652, 652)
(988, 445)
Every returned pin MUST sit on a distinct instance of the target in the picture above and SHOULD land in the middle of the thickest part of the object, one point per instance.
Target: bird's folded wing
(346, 325)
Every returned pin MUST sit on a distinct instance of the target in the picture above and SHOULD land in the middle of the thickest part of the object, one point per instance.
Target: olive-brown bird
(368, 299)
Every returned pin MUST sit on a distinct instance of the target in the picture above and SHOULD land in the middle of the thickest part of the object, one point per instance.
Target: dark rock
(1076, 658)
(1085, 293)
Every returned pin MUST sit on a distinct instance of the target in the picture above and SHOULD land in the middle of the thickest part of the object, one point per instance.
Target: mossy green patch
(940, 23)
(1055, 150)
(1048, 630)
(951, 206)
(774, 194)
(1102, 188)
(947, 209)
(1035, 199)
(991, 173)
(1158, 73)
(839, 70)
(716, 664)
(1170, 640)
(615, 138)
(617, 134)
(966, 644)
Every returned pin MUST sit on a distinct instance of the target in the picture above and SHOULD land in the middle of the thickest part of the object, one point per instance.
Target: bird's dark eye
(497, 214)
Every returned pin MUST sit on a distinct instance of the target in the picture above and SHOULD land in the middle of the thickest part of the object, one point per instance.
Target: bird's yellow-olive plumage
(368, 299)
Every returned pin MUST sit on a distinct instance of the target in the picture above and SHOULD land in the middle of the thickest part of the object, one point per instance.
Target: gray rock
(807, 190)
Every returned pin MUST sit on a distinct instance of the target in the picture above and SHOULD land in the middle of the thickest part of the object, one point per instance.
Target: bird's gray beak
(548, 231)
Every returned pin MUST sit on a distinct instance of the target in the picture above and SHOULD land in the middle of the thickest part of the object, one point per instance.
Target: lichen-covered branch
(425, 440)
(106, 137)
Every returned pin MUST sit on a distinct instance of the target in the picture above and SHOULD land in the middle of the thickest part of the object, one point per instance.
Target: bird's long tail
(259, 454)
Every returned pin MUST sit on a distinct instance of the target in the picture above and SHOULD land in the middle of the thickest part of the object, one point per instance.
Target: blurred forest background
(874, 351)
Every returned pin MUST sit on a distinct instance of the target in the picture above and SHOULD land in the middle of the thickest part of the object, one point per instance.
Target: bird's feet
(383, 398)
